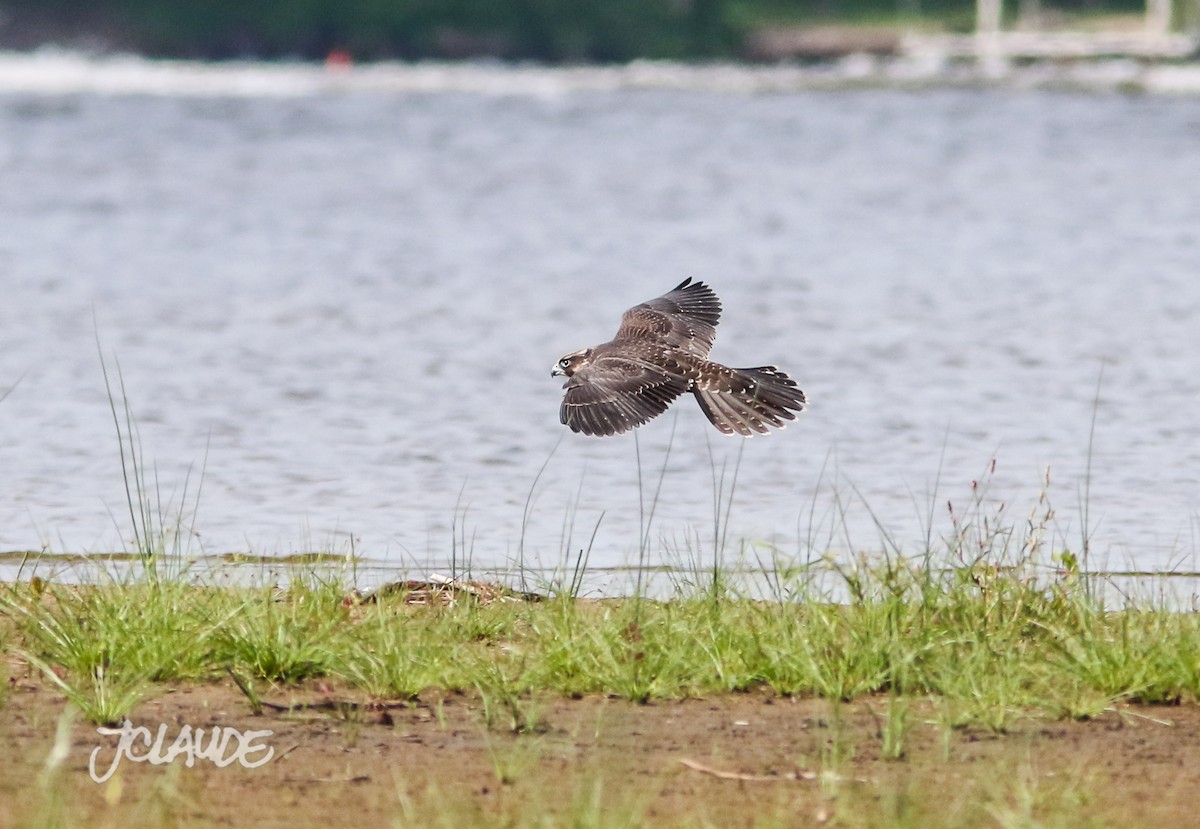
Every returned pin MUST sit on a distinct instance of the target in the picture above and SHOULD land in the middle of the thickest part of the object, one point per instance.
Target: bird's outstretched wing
(614, 394)
(684, 318)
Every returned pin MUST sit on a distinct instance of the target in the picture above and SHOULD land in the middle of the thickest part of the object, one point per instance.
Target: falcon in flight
(660, 352)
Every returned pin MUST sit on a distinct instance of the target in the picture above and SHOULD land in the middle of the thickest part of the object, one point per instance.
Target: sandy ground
(720, 761)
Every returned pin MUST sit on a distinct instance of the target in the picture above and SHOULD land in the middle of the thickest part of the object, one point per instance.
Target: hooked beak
(557, 371)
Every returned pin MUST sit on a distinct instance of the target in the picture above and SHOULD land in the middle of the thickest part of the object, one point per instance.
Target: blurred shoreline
(55, 71)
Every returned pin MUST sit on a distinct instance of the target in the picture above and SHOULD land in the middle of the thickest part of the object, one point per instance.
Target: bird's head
(571, 363)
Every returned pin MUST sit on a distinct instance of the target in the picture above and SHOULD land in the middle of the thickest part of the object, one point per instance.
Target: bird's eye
(564, 362)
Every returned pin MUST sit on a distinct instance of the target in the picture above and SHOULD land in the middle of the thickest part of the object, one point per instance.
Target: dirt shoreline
(726, 761)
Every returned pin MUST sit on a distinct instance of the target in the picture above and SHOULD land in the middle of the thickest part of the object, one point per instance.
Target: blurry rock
(819, 43)
(455, 44)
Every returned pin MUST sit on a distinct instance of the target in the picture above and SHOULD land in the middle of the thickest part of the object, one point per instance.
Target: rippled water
(344, 307)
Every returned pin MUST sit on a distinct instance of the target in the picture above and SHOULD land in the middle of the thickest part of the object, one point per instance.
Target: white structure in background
(1158, 18)
(992, 42)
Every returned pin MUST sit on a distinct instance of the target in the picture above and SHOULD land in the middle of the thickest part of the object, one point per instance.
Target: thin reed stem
(645, 521)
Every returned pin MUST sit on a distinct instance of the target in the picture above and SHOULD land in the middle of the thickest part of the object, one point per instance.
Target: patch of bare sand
(725, 760)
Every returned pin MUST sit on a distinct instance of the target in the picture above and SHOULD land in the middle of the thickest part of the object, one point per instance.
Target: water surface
(344, 306)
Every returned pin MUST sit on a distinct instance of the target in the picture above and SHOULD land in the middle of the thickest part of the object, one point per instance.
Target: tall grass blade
(646, 521)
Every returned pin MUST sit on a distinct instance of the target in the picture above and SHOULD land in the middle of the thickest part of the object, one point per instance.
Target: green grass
(978, 647)
(992, 644)
(105, 646)
(280, 638)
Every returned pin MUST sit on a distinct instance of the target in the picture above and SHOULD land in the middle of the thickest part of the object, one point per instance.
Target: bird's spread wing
(614, 394)
(685, 318)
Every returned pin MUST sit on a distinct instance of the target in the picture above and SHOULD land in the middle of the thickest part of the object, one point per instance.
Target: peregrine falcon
(661, 351)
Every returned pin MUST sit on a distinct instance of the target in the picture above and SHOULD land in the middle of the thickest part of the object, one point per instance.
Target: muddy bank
(726, 761)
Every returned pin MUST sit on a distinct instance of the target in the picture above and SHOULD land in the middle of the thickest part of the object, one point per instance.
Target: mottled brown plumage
(660, 352)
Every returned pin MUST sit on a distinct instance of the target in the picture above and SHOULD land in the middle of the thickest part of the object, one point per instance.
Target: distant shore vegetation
(543, 30)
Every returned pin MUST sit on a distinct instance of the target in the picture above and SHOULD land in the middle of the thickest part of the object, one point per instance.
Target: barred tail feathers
(748, 401)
